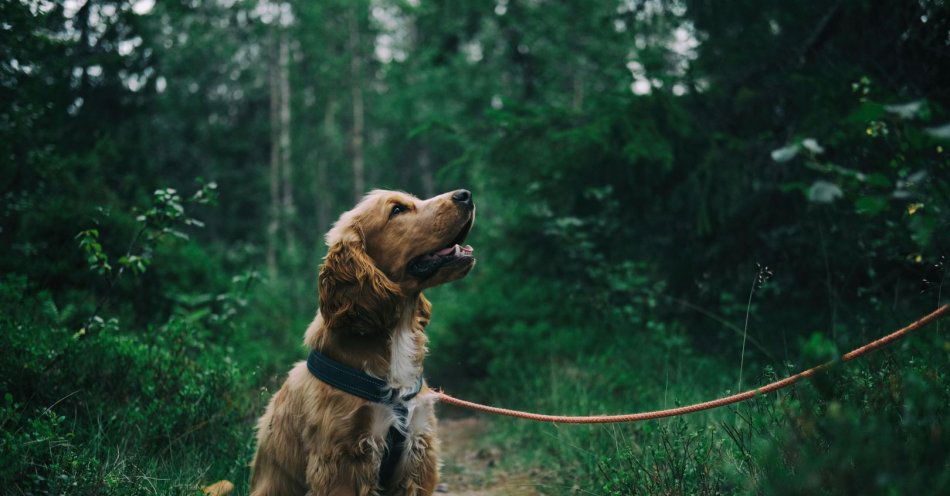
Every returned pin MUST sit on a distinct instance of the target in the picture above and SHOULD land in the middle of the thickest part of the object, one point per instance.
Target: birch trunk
(286, 164)
(322, 190)
(273, 225)
(356, 81)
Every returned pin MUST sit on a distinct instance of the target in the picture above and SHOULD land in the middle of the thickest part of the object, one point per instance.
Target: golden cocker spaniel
(321, 439)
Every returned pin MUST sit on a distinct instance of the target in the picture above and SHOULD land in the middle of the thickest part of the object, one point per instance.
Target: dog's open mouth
(427, 264)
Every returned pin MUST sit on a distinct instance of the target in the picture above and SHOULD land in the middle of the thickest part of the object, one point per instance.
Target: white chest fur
(406, 350)
(404, 354)
(419, 413)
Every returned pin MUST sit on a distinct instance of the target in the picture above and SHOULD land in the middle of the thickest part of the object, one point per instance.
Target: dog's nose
(463, 196)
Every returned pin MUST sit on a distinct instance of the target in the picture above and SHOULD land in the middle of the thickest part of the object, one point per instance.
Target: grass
(119, 410)
(120, 424)
(166, 404)
(874, 426)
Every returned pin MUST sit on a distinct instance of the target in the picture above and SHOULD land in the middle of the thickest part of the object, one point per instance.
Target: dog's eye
(397, 209)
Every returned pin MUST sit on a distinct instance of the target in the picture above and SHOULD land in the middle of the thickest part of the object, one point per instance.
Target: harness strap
(362, 385)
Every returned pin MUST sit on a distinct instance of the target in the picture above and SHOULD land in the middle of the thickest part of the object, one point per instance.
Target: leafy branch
(163, 218)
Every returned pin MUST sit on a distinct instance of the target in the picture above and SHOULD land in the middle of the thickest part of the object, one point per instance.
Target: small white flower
(824, 192)
(942, 132)
(812, 145)
(785, 153)
(905, 110)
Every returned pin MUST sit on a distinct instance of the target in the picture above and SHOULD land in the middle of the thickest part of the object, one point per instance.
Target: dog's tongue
(455, 250)
(446, 251)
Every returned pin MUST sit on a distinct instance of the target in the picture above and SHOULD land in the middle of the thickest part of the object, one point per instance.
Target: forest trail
(469, 469)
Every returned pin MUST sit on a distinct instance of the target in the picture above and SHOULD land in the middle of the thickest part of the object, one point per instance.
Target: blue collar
(355, 381)
(363, 385)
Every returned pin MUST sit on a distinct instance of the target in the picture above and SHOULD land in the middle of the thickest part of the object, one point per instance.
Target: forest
(677, 200)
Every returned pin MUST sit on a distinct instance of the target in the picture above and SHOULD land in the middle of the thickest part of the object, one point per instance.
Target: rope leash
(697, 407)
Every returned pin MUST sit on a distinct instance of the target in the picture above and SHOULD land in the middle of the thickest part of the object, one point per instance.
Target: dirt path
(471, 470)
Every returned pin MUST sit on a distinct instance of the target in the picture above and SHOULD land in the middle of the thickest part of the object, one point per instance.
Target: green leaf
(922, 228)
(880, 180)
(870, 205)
(866, 112)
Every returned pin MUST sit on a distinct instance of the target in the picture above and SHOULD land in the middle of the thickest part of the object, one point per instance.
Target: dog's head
(391, 245)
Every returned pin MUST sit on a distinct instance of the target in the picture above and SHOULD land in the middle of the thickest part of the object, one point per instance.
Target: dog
(319, 439)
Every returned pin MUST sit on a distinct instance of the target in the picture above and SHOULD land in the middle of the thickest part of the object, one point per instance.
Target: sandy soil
(470, 470)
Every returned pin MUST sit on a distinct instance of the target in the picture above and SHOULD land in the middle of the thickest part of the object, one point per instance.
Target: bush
(73, 401)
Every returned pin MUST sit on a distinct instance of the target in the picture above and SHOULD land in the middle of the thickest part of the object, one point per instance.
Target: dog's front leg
(346, 471)
(422, 467)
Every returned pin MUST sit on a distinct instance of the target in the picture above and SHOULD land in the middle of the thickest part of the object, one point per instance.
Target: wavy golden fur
(317, 440)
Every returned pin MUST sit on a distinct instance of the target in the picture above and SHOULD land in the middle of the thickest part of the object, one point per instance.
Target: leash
(697, 407)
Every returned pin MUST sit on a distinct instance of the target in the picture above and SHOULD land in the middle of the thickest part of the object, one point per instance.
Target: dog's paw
(220, 488)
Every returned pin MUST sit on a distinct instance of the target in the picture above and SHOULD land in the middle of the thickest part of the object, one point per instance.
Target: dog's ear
(423, 312)
(354, 294)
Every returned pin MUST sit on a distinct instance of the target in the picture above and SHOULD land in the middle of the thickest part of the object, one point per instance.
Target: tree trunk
(83, 14)
(286, 164)
(273, 225)
(356, 81)
(425, 172)
(577, 81)
(522, 61)
(322, 190)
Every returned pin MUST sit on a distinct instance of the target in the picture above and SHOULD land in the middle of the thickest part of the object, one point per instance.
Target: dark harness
(363, 385)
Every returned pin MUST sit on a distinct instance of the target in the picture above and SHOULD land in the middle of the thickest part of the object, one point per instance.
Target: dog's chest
(405, 356)
(407, 347)
(419, 412)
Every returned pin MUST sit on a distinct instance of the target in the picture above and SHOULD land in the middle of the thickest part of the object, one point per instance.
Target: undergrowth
(149, 381)
(878, 425)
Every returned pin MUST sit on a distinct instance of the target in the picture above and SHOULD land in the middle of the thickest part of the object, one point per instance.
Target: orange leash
(728, 400)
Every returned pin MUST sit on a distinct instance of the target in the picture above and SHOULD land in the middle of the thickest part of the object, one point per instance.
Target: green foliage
(169, 390)
(98, 260)
(673, 459)
(875, 427)
(636, 166)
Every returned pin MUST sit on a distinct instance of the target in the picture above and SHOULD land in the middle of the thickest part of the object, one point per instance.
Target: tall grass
(875, 426)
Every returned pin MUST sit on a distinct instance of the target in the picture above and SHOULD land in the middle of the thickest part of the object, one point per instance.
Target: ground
(470, 469)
